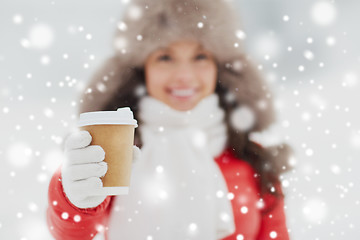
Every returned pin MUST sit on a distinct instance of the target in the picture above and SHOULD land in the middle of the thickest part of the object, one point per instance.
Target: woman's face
(181, 74)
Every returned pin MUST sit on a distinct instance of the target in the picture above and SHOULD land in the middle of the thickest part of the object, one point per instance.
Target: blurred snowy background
(308, 51)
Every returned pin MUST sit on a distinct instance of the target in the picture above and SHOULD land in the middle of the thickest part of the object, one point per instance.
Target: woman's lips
(182, 93)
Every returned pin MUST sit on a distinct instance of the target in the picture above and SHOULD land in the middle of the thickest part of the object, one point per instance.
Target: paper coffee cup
(114, 132)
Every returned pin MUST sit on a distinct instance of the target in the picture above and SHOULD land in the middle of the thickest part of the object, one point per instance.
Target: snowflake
(41, 36)
(323, 13)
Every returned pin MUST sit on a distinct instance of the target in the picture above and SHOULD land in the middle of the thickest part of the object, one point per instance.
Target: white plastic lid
(123, 116)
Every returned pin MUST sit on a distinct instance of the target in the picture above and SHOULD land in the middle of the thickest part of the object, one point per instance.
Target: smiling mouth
(182, 93)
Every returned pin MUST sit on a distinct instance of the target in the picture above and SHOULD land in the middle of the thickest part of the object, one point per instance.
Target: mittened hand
(82, 170)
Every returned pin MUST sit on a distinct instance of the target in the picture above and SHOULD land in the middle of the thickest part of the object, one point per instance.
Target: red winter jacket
(67, 222)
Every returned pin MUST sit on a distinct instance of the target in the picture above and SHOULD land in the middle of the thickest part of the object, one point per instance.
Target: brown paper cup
(114, 132)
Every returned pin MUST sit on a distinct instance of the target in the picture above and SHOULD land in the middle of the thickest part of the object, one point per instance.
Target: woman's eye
(201, 56)
(164, 58)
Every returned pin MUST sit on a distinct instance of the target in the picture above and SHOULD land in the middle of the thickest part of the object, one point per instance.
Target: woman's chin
(181, 103)
(182, 107)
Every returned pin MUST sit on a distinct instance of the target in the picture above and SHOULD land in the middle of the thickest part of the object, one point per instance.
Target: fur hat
(148, 25)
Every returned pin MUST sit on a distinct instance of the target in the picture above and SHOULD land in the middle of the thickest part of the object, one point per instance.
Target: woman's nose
(184, 72)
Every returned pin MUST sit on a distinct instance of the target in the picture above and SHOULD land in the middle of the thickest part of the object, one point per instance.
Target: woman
(179, 67)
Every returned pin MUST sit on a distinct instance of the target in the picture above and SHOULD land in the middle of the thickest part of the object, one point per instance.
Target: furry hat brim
(148, 25)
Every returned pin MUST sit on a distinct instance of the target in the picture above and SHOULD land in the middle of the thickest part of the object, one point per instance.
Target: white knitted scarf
(177, 190)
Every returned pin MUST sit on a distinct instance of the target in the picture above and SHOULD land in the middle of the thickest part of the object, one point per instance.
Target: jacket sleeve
(67, 222)
(251, 220)
(247, 217)
(273, 222)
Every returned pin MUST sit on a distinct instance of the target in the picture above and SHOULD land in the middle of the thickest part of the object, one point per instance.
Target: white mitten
(83, 168)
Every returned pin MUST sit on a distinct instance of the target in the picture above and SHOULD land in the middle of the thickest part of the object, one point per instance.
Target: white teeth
(183, 92)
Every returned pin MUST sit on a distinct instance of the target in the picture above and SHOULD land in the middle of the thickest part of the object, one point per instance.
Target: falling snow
(323, 12)
(41, 36)
(307, 51)
(243, 118)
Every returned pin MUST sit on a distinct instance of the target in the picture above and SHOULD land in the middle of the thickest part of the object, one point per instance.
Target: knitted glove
(82, 169)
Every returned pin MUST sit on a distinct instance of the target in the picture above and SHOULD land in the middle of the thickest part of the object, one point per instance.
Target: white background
(318, 113)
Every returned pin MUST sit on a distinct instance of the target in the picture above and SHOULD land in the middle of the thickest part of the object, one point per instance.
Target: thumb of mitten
(136, 154)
